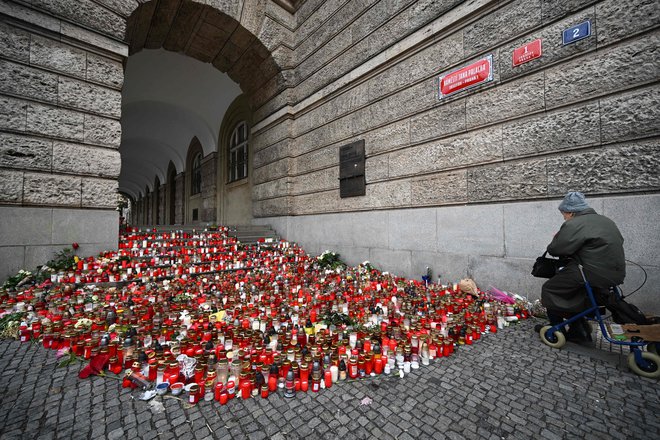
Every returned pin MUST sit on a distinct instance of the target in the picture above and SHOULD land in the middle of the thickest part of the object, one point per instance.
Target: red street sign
(468, 76)
(528, 52)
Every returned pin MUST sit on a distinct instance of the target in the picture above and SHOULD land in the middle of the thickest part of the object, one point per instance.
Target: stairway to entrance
(246, 234)
(250, 234)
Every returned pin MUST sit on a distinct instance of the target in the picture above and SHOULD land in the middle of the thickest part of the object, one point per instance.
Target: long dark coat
(594, 241)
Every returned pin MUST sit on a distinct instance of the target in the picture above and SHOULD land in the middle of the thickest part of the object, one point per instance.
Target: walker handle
(582, 273)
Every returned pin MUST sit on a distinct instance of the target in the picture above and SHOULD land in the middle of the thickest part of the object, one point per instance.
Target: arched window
(238, 152)
(196, 176)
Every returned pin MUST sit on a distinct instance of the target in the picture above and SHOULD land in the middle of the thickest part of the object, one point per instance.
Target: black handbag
(545, 267)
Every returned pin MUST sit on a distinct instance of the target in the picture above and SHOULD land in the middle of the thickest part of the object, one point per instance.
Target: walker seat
(643, 362)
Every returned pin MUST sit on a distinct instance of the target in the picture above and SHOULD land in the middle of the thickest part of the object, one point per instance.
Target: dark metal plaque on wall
(352, 180)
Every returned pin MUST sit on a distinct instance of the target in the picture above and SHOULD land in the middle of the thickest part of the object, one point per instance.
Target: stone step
(246, 234)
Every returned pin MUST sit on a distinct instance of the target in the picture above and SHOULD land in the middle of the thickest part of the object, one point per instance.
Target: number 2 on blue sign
(576, 33)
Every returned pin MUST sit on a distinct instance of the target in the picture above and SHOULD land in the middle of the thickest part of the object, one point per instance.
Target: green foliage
(122, 202)
(9, 324)
(337, 319)
(181, 298)
(67, 359)
(330, 260)
(368, 266)
(63, 260)
(22, 277)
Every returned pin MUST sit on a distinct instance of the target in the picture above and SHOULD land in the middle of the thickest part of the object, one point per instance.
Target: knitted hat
(574, 201)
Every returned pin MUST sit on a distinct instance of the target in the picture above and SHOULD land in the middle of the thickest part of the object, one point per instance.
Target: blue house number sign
(576, 33)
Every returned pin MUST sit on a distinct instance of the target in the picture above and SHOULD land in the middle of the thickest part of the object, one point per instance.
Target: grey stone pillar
(60, 104)
(209, 171)
(180, 199)
(162, 205)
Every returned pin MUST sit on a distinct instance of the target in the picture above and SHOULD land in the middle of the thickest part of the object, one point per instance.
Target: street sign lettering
(468, 76)
(576, 33)
(526, 53)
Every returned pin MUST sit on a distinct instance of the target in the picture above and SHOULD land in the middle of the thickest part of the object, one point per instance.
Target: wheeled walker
(644, 363)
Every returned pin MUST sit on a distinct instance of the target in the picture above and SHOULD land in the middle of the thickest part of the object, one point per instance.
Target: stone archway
(228, 37)
(224, 35)
(64, 105)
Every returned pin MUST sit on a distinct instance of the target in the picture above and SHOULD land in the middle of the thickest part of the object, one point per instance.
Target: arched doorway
(196, 194)
(187, 63)
(235, 171)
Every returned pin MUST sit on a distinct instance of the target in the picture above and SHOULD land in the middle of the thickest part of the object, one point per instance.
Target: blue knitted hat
(574, 201)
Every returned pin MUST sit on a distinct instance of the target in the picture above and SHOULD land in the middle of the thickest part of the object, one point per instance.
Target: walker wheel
(652, 347)
(555, 341)
(652, 367)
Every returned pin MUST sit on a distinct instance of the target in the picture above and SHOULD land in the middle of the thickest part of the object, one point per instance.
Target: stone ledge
(35, 17)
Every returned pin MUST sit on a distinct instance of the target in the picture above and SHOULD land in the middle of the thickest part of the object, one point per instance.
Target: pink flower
(62, 352)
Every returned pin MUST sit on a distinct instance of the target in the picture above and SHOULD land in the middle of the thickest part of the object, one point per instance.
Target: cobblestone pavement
(506, 386)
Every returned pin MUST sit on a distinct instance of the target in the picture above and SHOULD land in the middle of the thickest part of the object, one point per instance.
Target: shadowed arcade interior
(188, 63)
(168, 99)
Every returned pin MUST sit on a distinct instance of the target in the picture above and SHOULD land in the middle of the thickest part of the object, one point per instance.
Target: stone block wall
(582, 116)
(60, 105)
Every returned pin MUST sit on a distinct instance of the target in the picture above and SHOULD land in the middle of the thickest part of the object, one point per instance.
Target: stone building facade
(465, 183)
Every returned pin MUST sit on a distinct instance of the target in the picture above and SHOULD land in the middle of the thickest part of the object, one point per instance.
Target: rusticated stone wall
(60, 107)
(60, 104)
(61, 75)
(584, 115)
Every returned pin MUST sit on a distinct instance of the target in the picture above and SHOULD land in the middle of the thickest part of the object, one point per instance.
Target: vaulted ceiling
(168, 99)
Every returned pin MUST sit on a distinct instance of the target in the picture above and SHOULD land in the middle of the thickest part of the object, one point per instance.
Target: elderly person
(593, 241)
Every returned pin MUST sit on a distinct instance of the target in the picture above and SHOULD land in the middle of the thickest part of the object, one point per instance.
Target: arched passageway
(187, 63)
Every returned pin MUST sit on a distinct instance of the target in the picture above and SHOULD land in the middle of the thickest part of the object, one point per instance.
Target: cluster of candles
(263, 318)
(152, 256)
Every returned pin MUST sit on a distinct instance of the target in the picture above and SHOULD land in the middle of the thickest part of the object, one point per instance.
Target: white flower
(83, 322)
